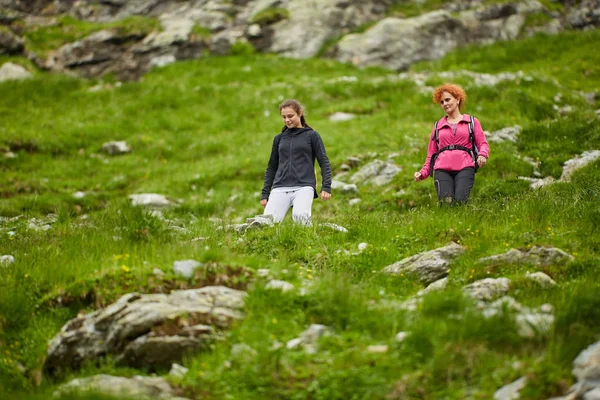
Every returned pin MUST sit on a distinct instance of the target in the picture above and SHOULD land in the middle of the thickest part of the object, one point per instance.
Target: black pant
(454, 185)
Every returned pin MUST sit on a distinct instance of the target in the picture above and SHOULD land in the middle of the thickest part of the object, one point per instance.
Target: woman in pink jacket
(457, 148)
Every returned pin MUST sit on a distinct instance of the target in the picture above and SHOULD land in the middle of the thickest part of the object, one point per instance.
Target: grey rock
(536, 255)
(362, 246)
(586, 368)
(327, 19)
(353, 202)
(186, 268)
(178, 371)
(334, 227)
(6, 260)
(279, 285)
(510, 134)
(140, 387)
(440, 284)
(377, 173)
(309, 338)
(151, 200)
(243, 352)
(401, 336)
(341, 116)
(511, 391)
(570, 166)
(152, 331)
(532, 324)
(428, 266)
(378, 348)
(116, 148)
(397, 43)
(10, 71)
(488, 289)
(10, 43)
(536, 183)
(584, 14)
(542, 279)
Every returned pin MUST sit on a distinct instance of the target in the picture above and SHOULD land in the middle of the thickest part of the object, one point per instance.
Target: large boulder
(428, 266)
(147, 331)
(397, 43)
(127, 55)
(310, 24)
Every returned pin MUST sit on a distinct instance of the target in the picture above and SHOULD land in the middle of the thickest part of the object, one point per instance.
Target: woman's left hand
(481, 160)
(325, 195)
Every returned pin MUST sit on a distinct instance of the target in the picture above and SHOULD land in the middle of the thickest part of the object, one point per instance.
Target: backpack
(474, 152)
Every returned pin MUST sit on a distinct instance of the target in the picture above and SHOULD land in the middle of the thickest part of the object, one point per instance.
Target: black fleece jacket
(292, 161)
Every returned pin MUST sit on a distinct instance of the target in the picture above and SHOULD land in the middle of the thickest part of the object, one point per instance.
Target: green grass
(408, 9)
(201, 131)
(270, 16)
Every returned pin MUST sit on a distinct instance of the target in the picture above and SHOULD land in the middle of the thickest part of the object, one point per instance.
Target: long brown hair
(296, 106)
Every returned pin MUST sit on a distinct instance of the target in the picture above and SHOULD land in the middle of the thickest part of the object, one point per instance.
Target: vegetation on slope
(201, 132)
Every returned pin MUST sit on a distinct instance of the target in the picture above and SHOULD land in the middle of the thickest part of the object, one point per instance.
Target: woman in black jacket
(290, 179)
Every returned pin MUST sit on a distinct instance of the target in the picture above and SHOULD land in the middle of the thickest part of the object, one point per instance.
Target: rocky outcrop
(397, 43)
(310, 24)
(293, 28)
(147, 331)
(586, 368)
(139, 387)
(126, 55)
(429, 266)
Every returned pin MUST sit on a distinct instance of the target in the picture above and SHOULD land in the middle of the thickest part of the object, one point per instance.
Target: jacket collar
(444, 121)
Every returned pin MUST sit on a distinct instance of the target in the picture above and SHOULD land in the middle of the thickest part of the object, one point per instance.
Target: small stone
(263, 272)
(151, 200)
(334, 227)
(542, 279)
(345, 167)
(116, 147)
(6, 260)
(293, 343)
(279, 285)
(158, 272)
(11, 71)
(79, 195)
(547, 308)
(186, 268)
(510, 391)
(382, 348)
(341, 116)
(353, 202)
(178, 371)
(401, 336)
(362, 246)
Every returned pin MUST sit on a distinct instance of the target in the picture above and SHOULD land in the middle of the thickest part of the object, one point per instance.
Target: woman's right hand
(418, 176)
(263, 202)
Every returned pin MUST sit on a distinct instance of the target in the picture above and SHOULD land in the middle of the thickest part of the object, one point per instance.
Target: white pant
(281, 199)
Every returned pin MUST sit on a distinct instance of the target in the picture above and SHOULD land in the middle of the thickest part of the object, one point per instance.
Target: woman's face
(449, 103)
(291, 118)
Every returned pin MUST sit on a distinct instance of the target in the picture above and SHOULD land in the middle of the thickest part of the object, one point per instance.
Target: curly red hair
(454, 90)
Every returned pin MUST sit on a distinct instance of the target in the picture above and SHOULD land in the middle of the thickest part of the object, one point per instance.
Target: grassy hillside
(201, 132)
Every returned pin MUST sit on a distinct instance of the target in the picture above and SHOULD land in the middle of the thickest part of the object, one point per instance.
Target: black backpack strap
(475, 152)
(436, 134)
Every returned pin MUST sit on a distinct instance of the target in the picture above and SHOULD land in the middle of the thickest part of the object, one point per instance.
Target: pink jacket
(455, 160)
